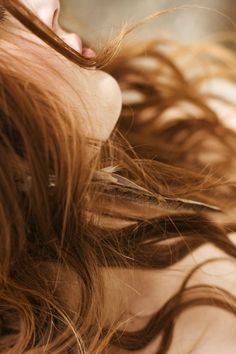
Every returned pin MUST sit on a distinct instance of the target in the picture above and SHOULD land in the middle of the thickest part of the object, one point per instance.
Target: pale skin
(94, 93)
(143, 293)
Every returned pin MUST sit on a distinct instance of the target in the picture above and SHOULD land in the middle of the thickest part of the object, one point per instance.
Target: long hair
(153, 193)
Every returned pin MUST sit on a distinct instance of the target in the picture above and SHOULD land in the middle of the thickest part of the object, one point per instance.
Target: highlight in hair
(152, 194)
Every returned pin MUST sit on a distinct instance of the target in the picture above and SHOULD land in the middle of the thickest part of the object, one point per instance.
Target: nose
(48, 11)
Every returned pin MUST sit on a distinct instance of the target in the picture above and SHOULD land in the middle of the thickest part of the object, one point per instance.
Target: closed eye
(3, 14)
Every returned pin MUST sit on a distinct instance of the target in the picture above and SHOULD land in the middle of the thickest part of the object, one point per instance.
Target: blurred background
(96, 20)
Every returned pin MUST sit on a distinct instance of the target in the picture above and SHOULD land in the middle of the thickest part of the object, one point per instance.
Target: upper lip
(79, 42)
(74, 40)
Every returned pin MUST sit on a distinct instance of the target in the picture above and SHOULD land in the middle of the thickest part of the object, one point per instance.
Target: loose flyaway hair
(158, 189)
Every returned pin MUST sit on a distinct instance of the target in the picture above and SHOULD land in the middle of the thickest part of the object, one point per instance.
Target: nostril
(55, 19)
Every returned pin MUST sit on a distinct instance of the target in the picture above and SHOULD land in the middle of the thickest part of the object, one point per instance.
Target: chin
(110, 101)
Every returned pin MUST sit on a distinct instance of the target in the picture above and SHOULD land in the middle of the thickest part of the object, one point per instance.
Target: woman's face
(94, 93)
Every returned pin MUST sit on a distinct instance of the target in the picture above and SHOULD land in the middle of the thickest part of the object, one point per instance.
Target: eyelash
(3, 14)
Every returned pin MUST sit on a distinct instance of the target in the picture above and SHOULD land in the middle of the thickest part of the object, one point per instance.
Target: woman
(116, 235)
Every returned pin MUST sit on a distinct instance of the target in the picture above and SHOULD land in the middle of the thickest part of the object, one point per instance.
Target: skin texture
(94, 93)
(198, 330)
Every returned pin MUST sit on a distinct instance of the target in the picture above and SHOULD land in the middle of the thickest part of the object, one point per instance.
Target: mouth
(88, 53)
(84, 49)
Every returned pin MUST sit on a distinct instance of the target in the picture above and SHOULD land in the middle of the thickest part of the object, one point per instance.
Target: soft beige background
(96, 19)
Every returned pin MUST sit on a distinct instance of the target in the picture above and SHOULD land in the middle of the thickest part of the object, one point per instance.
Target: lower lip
(88, 53)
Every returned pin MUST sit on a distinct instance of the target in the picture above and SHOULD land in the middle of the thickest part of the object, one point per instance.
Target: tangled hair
(152, 194)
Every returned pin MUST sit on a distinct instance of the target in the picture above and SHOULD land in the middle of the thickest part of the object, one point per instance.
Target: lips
(86, 52)
(74, 41)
